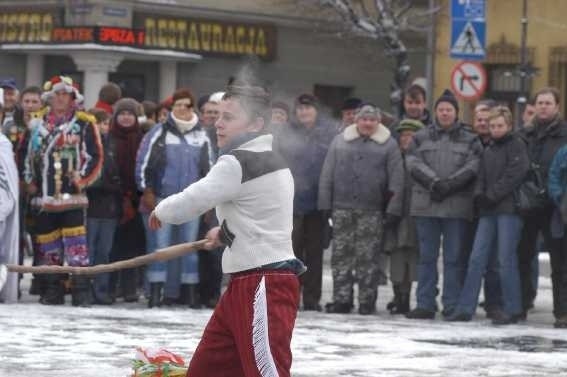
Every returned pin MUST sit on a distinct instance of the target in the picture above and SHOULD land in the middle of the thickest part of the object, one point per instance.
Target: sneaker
(338, 308)
(459, 317)
(419, 313)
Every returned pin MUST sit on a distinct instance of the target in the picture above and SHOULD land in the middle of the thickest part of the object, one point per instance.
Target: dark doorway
(132, 85)
(332, 97)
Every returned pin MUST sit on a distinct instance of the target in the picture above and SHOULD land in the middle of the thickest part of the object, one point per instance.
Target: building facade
(546, 48)
(152, 47)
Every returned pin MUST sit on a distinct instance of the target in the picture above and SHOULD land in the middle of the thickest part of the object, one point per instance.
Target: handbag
(531, 195)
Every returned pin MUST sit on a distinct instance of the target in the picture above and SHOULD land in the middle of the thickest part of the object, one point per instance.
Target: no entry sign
(468, 80)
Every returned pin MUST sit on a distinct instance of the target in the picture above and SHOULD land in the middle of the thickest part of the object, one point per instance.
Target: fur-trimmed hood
(381, 135)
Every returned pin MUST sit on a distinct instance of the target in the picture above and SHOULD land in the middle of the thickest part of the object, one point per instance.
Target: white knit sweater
(252, 190)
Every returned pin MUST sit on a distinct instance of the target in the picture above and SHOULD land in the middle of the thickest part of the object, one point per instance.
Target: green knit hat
(410, 125)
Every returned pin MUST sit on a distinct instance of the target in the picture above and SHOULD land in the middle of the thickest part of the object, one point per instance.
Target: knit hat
(281, 105)
(9, 83)
(127, 104)
(57, 83)
(409, 125)
(367, 111)
(449, 97)
(352, 103)
(307, 99)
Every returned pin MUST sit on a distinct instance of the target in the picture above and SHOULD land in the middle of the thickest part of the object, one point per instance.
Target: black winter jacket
(503, 166)
(105, 195)
(544, 140)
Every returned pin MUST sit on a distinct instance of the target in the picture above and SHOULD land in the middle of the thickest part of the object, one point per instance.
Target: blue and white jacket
(169, 161)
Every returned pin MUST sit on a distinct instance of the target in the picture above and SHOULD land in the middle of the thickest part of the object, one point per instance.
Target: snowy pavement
(46, 341)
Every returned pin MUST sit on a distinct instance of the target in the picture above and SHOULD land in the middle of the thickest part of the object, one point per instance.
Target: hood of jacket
(380, 136)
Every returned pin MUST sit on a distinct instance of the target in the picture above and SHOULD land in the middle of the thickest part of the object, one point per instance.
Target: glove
(483, 201)
(391, 220)
(443, 187)
(440, 190)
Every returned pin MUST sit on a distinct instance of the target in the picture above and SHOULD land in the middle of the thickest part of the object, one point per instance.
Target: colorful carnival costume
(64, 156)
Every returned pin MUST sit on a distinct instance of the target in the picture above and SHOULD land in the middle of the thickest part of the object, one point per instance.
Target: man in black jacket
(548, 134)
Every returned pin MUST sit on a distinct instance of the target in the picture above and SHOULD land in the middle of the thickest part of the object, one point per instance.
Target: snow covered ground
(36, 340)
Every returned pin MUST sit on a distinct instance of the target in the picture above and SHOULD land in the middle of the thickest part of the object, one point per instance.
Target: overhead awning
(126, 51)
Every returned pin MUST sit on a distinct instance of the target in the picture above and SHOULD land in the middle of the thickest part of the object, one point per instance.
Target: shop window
(332, 97)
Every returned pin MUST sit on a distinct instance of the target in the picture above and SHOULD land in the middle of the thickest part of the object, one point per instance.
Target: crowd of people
(395, 193)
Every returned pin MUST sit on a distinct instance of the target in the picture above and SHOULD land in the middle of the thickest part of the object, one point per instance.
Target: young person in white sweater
(249, 333)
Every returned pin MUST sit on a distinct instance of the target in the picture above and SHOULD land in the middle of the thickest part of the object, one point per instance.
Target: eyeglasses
(183, 104)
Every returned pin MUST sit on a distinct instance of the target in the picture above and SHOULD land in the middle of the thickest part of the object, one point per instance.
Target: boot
(54, 291)
(561, 322)
(338, 308)
(189, 295)
(403, 307)
(419, 313)
(155, 295)
(129, 284)
(81, 291)
(37, 285)
(367, 309)
(396, 300)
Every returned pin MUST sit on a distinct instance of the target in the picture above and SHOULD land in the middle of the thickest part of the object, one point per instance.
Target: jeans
(430, 230)
(184, 270)
(492, 295)
(100, 235)
(496, 235)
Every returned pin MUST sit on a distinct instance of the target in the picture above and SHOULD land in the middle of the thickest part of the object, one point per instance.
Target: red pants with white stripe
(249, 333)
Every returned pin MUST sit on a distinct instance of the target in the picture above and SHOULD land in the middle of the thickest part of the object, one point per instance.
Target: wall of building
(309, 51)
(305, 59)
(546, 30)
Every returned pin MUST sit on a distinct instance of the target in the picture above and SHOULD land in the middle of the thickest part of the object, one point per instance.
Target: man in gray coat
(362, 178)
(443, 161)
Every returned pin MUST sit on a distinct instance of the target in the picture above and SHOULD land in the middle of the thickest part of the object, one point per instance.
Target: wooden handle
(159, 255)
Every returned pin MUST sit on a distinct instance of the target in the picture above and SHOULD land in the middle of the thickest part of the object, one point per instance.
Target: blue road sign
(468, 30)
(468, 9)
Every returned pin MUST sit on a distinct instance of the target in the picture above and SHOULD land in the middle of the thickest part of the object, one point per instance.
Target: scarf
(127, 142)
(185, 126)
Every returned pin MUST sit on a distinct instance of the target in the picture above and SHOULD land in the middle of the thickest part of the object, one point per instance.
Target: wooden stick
(159, 255)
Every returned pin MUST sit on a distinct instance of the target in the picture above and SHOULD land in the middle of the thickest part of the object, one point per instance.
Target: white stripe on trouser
(260, 336)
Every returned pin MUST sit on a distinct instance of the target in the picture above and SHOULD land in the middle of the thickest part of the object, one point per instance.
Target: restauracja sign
(205, 37)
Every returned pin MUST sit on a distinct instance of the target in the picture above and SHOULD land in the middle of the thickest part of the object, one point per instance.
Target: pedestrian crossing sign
(468, 40)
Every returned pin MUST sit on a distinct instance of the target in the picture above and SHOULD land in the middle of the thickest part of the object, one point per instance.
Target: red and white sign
(468, 80)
